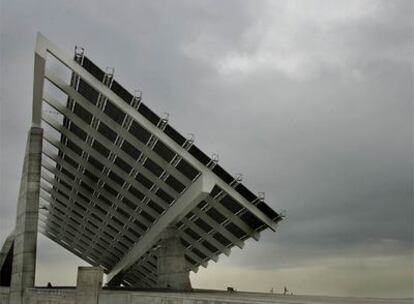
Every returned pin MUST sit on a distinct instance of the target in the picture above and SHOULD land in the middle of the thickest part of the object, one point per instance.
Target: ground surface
(261, 298)
(298, 299)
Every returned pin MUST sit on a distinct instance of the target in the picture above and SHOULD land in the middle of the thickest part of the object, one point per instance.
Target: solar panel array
(106, 180)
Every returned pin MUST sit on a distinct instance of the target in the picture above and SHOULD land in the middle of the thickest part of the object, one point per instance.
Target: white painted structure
(115, 177)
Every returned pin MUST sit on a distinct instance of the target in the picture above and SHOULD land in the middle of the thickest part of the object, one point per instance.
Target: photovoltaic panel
(121, 171)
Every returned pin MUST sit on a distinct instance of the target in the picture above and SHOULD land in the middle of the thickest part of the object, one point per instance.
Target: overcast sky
(311, 100)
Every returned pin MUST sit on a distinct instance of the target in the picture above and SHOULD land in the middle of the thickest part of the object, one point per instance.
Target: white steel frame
(135, 265)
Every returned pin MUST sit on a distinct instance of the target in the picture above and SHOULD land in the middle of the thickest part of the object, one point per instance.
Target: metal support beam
(38, 79)
(191, 197)
(219, 228)
(231, 217)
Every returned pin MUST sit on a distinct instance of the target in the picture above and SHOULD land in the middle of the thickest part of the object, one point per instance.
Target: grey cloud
(312, 102)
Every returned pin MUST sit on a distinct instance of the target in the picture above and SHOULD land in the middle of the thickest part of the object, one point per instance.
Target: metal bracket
(79, 54)
(189, 141)
(213, 162)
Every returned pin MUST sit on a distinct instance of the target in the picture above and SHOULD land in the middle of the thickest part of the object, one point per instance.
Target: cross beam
(198, 191)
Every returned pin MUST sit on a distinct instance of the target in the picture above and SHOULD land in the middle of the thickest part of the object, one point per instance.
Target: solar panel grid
(134, 126)
(68, 244)
(84, 198)
(207, 237)
(94, 227)
(70, 239)
(120, 188)
(88, 239)
(113, 176)
(121, 92)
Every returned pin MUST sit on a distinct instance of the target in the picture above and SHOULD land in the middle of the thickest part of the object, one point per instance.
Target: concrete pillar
(172, 272)
(25, 238)
(89, 285)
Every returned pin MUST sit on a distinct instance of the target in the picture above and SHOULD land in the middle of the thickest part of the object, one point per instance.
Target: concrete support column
(25, 238)
(172, 272)
(89, 285)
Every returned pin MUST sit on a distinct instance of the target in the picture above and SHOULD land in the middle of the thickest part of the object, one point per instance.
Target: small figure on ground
(49, 285)
(230, 290)
(285, 291)
(272, 290)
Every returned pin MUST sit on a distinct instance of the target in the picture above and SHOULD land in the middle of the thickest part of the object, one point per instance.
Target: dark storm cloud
(312, 101)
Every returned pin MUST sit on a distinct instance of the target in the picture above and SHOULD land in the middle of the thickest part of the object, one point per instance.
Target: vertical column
(89, 284)
(172, 272)
(25, 238)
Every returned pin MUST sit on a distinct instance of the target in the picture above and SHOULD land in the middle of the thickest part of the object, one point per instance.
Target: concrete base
(25, 233)
(67, 296)
(172, 272)
(89, 285)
